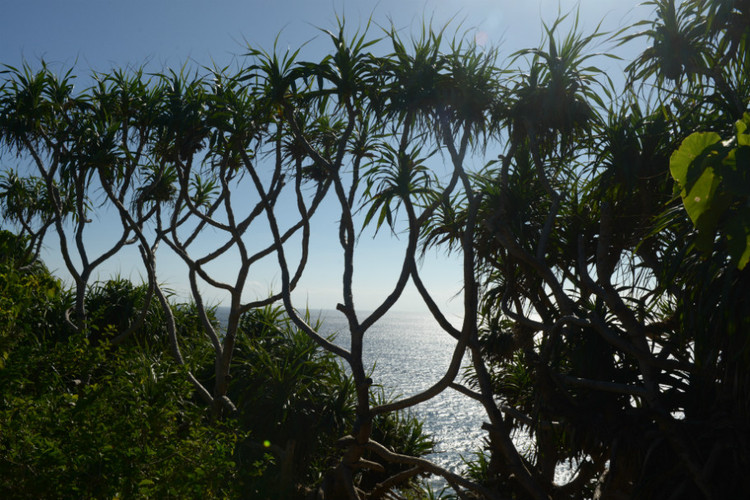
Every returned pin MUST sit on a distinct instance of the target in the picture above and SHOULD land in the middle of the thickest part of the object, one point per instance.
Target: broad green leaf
(743, 135)
(735, 171)
(690, 149)
(738, 238)
(698, 200)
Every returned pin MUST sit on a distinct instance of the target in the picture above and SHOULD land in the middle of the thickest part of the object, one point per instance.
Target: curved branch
(423, 464)
(285, 279)
(431, 304)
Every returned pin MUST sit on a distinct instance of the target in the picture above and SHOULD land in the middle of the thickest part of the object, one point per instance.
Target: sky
(101, 35)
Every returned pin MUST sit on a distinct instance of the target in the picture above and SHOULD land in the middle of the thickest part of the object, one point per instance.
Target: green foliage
(292, 394)
(29, 296)
(715, 188)
(297, 400)
(85, 421)
(22, 198)
(81, 418)
(80, 421)
(590, 287)
(98, 421)
(397, 176)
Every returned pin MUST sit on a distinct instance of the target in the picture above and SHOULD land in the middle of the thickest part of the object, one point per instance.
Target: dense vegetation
(605, 245)
(84, 419)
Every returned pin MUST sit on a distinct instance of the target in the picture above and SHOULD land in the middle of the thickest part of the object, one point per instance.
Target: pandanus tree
(607, 337)
(527, 258)
(176, 157)
(207, 135)
(68, 139)
(380, 107)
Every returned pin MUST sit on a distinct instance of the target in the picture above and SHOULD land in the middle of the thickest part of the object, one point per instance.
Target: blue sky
(102, 34)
